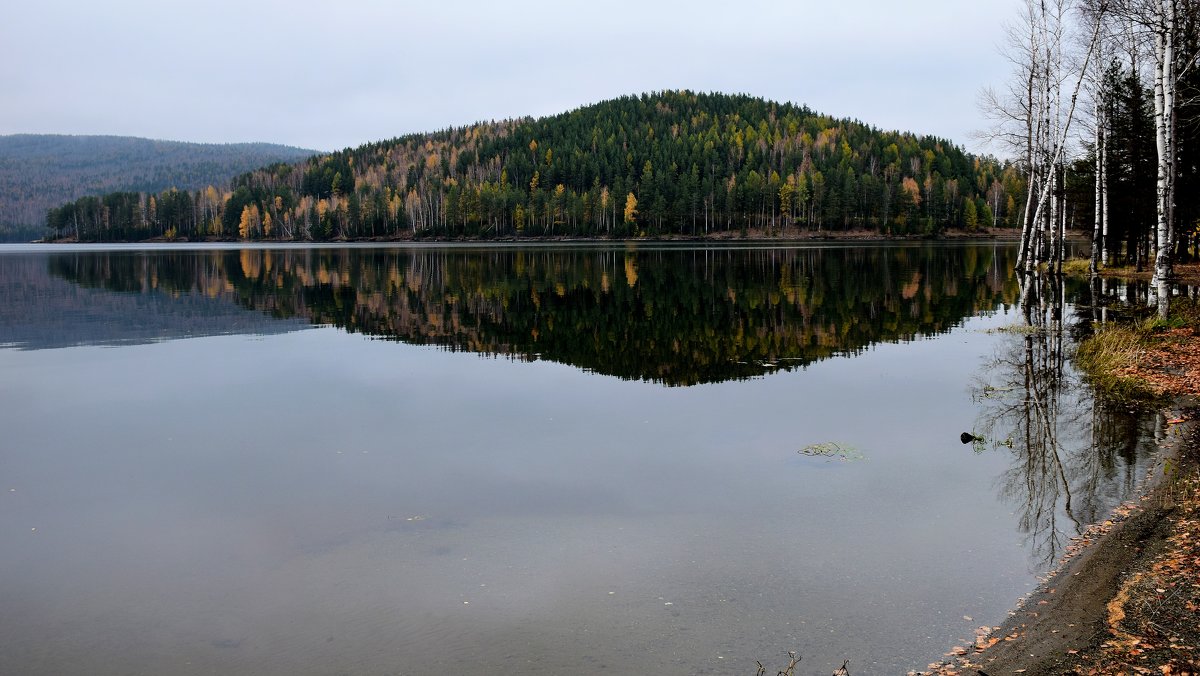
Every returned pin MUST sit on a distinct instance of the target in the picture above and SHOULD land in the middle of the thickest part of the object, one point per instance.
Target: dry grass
(1147, 359)
(1077, 267)
(1185, 273)
(1109, 359)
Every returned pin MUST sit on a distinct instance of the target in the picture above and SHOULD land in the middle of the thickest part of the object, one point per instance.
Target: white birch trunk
(1098, 220)
(1104, 195)
(1164, 125)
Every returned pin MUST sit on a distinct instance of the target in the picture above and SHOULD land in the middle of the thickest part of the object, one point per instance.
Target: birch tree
(1032, 117)
(1099, 85)
(1161, 23)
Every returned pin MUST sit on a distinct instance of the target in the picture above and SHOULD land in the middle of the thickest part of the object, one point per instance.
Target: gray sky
(332, 74)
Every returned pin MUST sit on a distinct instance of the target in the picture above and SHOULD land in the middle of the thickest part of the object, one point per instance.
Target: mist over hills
(40, 171)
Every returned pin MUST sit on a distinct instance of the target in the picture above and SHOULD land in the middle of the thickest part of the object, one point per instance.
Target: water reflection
(315, 503)
(41, 310)
(1074, 455)
(678, 316)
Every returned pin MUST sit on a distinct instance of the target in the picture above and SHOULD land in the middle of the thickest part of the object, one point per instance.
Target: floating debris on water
(832, 450)
(980, 444)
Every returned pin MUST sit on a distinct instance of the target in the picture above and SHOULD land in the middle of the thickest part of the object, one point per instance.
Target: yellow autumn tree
(394, 206)
(244, 223)
(519, 217)
(910, 186)
(253, 221)
(787, 192)
(560, 192)
(630, 208)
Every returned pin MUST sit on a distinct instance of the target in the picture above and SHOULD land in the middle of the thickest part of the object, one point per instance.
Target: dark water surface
(529, 460)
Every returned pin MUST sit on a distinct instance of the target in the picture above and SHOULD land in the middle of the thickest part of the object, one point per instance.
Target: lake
(587, 459)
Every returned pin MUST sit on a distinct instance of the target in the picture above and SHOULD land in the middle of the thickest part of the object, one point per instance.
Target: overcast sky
(332, 74)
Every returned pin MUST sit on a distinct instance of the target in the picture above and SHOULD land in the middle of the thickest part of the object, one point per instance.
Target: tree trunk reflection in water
(1065, 443)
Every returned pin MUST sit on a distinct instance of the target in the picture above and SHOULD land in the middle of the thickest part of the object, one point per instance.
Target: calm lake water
(531, 460)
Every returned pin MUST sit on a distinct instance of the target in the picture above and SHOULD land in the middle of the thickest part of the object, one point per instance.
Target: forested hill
(38, 172)
(657, 164)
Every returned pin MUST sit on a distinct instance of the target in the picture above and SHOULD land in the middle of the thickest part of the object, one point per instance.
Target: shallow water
(528, 460)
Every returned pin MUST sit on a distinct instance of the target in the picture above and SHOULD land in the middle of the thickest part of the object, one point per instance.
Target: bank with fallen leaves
(1125, 599)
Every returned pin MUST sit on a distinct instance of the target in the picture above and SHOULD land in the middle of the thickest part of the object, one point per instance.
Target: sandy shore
(1126, 598)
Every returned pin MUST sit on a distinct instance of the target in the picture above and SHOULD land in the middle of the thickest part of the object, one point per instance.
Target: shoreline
(1125, 598)
(724, 237)
(1066, 625)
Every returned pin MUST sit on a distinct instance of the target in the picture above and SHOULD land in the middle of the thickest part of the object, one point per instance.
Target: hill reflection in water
(673, 315)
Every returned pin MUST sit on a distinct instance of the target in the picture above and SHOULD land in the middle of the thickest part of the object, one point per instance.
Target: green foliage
(970, 215)
(986, 216)
(695, 164)
(1132, 170)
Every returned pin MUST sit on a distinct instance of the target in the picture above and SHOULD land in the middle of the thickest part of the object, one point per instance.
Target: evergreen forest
(672, 163)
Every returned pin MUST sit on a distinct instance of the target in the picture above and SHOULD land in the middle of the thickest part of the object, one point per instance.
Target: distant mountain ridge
(40, 171)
